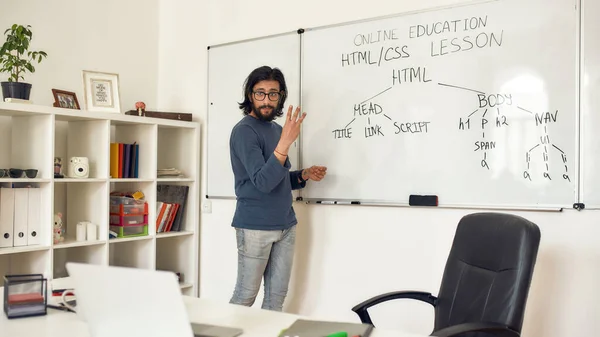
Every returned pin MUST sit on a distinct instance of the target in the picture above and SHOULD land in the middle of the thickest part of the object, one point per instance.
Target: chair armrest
(495, 329)
(361, 308)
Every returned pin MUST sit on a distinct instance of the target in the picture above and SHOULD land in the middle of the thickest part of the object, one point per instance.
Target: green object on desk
(317, 328)
(338, 334)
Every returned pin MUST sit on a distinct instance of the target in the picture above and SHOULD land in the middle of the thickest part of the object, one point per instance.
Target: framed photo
(101, 91)
(65, 99)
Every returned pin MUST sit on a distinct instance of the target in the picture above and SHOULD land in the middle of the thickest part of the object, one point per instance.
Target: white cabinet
(32, 136)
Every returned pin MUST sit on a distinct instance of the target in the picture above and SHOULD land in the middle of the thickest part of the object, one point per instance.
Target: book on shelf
(170, 207)
(169, 173)
(124, 160)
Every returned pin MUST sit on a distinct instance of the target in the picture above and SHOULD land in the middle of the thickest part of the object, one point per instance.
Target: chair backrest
(489, 271)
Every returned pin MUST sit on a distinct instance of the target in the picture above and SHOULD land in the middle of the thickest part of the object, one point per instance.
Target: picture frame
(65, 99)
(102, 92)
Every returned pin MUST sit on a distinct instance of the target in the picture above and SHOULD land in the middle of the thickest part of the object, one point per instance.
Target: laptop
(131, 302)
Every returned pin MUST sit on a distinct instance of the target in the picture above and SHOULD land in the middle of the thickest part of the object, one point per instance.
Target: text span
(375, 57)
(466, 43)
(443, 27)
(375, 37)
(373, 113)
(418, 74)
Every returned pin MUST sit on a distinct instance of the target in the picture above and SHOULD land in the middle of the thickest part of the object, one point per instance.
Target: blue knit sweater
(262, 185)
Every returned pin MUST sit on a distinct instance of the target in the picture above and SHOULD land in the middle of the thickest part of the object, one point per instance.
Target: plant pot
(18, 90)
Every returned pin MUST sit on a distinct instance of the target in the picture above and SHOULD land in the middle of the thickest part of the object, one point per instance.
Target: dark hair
(264, 73)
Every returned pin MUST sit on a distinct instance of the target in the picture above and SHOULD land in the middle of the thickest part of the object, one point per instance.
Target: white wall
(345, 255)
(108, 36)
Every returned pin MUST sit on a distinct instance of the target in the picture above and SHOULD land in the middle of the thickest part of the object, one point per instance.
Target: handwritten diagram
(488, 104)
(371, 110)
(371, 117)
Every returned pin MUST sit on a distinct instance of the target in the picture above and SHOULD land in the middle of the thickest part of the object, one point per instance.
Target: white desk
(254, 321)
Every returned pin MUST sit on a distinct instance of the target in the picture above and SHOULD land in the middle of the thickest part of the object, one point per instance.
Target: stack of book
(124, 160)
(170, 207)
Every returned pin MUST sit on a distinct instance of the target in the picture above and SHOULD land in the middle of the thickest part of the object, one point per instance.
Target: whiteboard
(228, 67)
(590, 105)
(481, 112)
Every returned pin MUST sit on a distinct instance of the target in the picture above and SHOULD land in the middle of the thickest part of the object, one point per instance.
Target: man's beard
(266, 118)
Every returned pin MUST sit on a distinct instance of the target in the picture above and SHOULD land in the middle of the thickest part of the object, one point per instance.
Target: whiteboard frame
(582, 89)
(206, 173)
(578, 71)
(301, 31)
(341, 202)
(401, 14)
(298, 197)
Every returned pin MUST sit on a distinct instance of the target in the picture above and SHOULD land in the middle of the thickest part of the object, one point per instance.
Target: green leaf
(15, 57)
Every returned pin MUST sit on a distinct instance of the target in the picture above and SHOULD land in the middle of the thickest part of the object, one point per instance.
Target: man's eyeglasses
(260, 95)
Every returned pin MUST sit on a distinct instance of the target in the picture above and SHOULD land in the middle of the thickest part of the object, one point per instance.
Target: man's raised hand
(291, 130)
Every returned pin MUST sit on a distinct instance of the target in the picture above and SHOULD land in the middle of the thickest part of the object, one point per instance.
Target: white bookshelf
(32, 135)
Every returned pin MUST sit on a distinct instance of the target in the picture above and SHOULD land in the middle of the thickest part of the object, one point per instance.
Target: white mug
(92, 232)
(81, 231)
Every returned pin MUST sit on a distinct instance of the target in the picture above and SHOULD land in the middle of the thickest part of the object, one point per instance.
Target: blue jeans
(268, 254)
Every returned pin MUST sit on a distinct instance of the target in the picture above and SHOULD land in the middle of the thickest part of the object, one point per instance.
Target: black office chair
(486, 281)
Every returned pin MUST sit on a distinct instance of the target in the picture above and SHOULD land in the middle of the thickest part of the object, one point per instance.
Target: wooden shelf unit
(32, 135)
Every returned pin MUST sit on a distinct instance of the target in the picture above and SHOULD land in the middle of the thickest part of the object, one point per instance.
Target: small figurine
(58, 235)
(140, 107)
(58, 167)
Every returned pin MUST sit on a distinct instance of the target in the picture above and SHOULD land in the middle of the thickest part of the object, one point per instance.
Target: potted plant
(16, 59)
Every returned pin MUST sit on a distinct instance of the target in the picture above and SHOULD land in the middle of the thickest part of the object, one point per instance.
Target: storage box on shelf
(32, 136)
(133, 196)
(128, 216)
